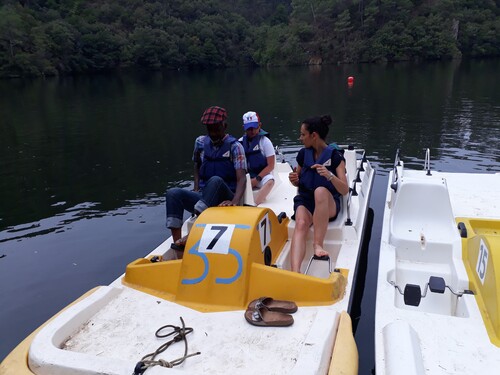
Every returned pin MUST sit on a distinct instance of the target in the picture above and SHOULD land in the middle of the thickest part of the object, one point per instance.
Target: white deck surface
(110, 342)
(228, 344)
(472, 195)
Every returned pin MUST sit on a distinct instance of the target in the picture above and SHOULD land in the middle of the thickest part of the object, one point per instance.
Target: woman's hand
(322, 171)
(294, 177)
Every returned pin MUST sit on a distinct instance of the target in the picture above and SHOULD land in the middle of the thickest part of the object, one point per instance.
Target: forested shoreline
(53, 37)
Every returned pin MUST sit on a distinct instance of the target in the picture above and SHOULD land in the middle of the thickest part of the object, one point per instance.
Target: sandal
(271, 304)
(180, 244)
(264, 318)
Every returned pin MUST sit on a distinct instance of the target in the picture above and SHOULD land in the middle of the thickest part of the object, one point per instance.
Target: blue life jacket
(256, 161)
(217, 162)
(310, 179)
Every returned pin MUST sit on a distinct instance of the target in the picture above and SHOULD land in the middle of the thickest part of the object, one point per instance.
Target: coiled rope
(179, 334)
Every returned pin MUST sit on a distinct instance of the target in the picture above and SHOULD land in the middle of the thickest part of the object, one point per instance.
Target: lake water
(84, 161)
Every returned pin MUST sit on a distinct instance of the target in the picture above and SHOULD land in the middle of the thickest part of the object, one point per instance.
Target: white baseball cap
(251, 120)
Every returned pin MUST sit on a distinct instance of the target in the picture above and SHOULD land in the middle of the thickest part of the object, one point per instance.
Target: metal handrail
(278, 153)
(348, 220)
(395, 175)
(352, 190)
(427, 162)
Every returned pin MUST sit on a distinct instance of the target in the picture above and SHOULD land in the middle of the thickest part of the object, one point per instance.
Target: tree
(11, 32)
(342, 26)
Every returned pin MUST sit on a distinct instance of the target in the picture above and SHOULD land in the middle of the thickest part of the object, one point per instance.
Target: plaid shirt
(237, 152)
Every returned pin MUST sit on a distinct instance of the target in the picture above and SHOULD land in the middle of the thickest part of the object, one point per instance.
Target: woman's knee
(321, 194)
(302, 225)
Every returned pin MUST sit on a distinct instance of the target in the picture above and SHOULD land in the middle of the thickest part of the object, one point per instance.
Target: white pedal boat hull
(109, 330)
(439, 333)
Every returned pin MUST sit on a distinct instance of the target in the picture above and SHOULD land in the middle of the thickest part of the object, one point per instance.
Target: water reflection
(64, 221)
(108, 139)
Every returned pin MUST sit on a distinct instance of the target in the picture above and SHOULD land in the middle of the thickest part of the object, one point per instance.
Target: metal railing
(395, 173)
(352, 190)
(427, 162)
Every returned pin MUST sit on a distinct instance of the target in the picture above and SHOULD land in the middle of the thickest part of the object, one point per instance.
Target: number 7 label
(216, 238)
(265, 232)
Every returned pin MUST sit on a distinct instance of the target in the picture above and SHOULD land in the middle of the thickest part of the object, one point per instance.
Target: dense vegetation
(48, 37)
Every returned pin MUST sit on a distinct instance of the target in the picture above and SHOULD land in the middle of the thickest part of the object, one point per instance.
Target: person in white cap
(260, 155)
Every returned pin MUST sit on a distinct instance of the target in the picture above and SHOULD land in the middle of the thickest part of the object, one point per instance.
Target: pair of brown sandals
(269, 312)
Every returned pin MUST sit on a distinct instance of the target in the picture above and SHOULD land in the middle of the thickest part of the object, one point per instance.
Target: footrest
(324, 258)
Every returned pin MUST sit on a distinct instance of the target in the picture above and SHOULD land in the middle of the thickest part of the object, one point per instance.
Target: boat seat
(422, 219)
(427, 244)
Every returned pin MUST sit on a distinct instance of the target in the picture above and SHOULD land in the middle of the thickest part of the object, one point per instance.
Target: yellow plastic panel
(302, 289)
(481, 255)
(158, 279)
(222, 246)
(223, 267)
(345, 357)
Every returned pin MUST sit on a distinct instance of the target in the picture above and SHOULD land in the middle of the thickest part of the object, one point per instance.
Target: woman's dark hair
(318, 124)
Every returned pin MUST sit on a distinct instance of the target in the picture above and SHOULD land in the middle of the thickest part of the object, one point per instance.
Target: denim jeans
(178, 200)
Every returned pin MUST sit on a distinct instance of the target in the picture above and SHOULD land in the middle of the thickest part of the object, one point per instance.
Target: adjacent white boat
(438, 291)
(233, 255)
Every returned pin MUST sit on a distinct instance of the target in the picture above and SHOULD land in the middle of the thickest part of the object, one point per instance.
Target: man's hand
(226, 203)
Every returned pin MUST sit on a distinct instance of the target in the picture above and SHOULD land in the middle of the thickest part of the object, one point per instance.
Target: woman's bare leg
(324, 209)
(303, 220)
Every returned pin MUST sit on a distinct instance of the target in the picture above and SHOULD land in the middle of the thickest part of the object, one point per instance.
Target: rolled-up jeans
(178, 200)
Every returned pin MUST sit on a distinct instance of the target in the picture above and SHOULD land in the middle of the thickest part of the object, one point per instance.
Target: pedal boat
(438, 291)
(233, 255)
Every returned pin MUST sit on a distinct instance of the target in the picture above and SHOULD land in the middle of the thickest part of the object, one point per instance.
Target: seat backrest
(422, 208)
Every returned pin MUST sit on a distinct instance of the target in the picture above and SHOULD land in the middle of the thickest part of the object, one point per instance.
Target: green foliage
(48, 37)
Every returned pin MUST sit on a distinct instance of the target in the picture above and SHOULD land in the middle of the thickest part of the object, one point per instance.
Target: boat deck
(113, 342)
(472, 195)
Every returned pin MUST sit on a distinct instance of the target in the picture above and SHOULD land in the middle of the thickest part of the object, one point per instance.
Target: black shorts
(308, 202)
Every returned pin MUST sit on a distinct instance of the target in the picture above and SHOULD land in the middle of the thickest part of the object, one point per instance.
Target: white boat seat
(411, 226)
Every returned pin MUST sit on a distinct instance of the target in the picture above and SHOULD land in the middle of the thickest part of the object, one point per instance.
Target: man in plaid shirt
(219, 175)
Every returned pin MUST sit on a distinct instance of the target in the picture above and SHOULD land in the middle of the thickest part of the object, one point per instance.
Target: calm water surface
(84, 162)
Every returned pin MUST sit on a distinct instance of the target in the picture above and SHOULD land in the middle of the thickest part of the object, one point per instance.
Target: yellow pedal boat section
(480, 245)
(209, 279)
